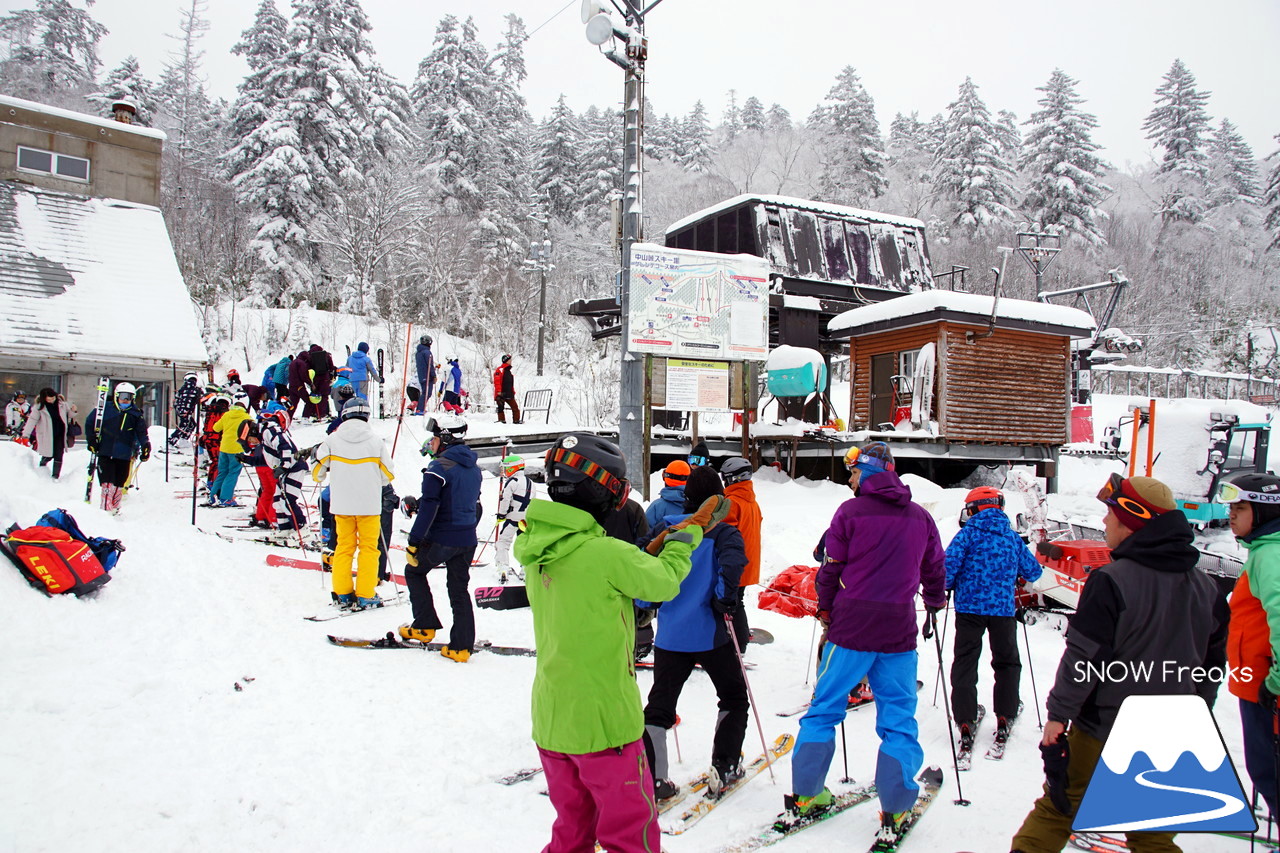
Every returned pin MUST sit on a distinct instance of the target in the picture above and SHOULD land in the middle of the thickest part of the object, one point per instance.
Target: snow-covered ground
(123, 729)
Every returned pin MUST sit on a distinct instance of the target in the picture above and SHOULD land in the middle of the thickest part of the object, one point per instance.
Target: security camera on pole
(602, 29)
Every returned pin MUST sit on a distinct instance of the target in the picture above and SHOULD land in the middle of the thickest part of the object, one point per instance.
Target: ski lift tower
(1039, 249)
(629, 36)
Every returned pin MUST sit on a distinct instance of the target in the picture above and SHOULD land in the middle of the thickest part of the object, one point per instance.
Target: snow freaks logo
(1164, 768)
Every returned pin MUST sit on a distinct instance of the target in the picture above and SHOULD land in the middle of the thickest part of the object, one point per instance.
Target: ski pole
(946, 617)
(733, 641)
(1032, 670)
(812, 639)
(951, 732)
(675, 733)
(383, 540)
(844, 748)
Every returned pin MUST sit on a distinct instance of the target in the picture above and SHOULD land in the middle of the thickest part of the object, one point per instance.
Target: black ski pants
(671, 670)
(741, 629)
(457, 563)
(1004, 663)
(113, 472)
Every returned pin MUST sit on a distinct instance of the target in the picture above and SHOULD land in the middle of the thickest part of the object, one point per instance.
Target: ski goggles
(124, 397)
(616, 487)
(698, 461)
(855, 458)
(1229, 493)
(1127, 501)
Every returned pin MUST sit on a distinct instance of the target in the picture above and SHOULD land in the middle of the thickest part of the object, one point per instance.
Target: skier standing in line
(16, 413)
(233, 384)
(587, 718)
(746, 516)
(358, 465)
(453, 389)
(222, 493)
(426, 365)
(122, 436)
(1253, 640)
(880, 549)
(514, 493)
(1152, 611)
(984, 562)
(185, 402)
(670, 500)
(321, 375)
(48, 424)
(286, 468)
(504, 391)
(444, 534)
(299, 378)
(215, 404)
(692, 631)
(362, 370)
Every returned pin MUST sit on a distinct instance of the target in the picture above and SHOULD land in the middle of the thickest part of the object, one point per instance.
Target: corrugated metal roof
(90, 279)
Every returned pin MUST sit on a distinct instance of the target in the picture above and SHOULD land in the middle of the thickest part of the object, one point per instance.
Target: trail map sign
(698, 304)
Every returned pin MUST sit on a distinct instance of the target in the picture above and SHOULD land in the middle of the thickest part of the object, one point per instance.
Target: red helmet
(280, 416)
(983, 497)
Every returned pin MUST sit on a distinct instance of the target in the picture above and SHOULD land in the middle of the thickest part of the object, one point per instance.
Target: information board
(698, 304)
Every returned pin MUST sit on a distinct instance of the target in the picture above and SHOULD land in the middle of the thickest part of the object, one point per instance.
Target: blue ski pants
(224, 485)
(892, 678)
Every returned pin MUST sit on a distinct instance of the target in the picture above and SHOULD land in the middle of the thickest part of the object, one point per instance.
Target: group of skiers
(450, 396)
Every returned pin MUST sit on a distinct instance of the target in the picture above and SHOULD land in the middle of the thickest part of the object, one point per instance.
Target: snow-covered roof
(931, 306)
(91, 280)
(798, 203)
(109, 124)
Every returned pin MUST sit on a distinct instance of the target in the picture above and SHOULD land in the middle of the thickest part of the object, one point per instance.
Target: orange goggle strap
(1229, 493)
(616, 487)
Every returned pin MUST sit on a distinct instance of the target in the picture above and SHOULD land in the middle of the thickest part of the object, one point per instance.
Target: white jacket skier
(514, 494)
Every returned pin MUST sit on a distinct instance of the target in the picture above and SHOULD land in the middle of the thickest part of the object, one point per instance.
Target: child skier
(984, 562)
(746, 516)
(670, 501)
(587, 720)
(358, 465)
(453, 389)
(121, 435)
(15, 414)
(514, 493)
(692, 631)
(880, 549)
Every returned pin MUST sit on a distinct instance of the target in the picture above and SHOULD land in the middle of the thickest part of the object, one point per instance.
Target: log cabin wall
(861, 350)
(1011, 387)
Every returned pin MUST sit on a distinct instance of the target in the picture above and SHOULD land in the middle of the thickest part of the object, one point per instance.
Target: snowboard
(382, 408)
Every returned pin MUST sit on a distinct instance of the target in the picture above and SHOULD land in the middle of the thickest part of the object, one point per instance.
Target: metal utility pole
(601, 29)
(540, 259)
(1039, 250)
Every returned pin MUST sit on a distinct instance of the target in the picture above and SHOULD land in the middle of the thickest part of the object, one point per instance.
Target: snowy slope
(123, 708)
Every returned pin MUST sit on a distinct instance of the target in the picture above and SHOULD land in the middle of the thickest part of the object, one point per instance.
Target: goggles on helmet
(1229, 493)
(619, 489)
(854, 457)
(124, 397)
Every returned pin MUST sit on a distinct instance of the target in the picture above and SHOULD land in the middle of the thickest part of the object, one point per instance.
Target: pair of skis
(964, 759)
(391, 641)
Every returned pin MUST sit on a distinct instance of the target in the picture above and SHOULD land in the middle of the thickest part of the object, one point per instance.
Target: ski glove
(644, 616)
(712, 512)
(409, 506)
(146, 454)
(930, 626)
(824, 616)
(724, 606)
(1056, 757)
(1266, 699)
(411, 555)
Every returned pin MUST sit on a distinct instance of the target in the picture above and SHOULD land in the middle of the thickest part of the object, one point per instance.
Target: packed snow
(125, 706)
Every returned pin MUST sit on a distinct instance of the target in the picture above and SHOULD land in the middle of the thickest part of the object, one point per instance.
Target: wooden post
(1151, 436)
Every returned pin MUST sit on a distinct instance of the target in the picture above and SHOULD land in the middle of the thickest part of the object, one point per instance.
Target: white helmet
(240, 399)
(126, 388)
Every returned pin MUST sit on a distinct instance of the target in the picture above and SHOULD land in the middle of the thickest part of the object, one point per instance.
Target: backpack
(107, 551)
(52, 561)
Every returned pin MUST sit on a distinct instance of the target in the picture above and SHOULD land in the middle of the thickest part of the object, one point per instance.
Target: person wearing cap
(16, 413)
(115, 441)
(222, 493)
(1149, 607)
(426, 365)
(362, 370)
(504, 391)
(745, 515)
(358, 465)
(444, 534)
(452, 388)
(1253, 640)
(881, 548)
(699, 455)
(670, 499)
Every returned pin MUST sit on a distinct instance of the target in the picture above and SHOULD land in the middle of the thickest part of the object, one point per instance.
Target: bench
(536, 401)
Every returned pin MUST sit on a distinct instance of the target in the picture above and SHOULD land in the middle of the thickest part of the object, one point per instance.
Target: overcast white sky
(911, 56)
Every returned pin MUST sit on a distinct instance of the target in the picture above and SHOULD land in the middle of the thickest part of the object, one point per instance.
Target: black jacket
(627, 524)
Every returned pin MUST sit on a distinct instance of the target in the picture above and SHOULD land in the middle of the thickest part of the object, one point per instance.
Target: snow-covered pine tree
(753, 117)
(52, 53)
(509, 184)
(601, 160)
(851, 150)
(1063, 171)
(910, 161)
(1271, 200)
(695, 139)
(1180, 125)
(1010, 136)
(969, 170)
(558, 174)
(1233, 170)
(779, 118)
(127, 82)
(661, 136)
(732, 124)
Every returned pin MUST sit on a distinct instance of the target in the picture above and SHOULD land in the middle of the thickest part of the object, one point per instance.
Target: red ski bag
(54, 562)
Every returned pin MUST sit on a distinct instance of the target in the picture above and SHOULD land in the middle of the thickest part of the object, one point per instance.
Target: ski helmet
(192, 375)
(1260, 490)
(280, 417)
(588, 472)
(345, 391)
(21, 394)
(872, 458)
(356, 408)
(983, 497)
(123, 389)
(240, 399)
(512, 464)
(425, 340)
(735, 469)
(447, 427)
(676, 474)
(506, 359)
(233, 375)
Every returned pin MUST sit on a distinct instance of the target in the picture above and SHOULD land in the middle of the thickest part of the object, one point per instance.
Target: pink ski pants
(604, 796)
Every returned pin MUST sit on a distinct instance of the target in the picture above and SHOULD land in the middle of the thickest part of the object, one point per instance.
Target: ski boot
(664, 789)
(369, 603)
(860, 695)
(966, 737)
(797, 807)
(1003, 724)
(459, 655)
(891, 830)
(326, 559)
(723, 775)
(422, 635)
(345, 601)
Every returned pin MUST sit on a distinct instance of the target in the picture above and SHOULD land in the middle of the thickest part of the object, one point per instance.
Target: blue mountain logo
(1164, 768)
